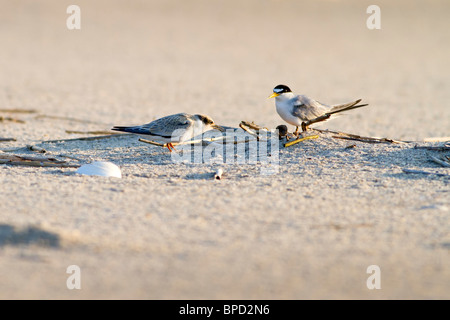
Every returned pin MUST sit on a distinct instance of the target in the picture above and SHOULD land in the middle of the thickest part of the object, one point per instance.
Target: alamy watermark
(374, 20)
(74, 280)
(73, 22)
(373, 281)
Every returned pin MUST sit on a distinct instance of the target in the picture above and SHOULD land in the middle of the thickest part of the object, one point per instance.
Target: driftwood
(444, 162)
(34, 161)
(349, 136)
(253, 126)
(246, 129)
(244, 125)
(445, 147)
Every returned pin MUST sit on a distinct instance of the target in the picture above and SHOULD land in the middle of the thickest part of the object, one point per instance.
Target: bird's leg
(296, 131)
(170, 146)
(304, 126)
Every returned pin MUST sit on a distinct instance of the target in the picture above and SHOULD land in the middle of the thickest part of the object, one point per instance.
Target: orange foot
(170, 146)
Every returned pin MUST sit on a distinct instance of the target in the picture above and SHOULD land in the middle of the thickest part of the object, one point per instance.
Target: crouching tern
(297, 110)
(175, 128)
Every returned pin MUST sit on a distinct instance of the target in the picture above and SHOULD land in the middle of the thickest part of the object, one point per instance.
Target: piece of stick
(218, 174)
(28, 158)
(425, 172)
(33, 161)
(318, 119)
(7, 139)
(38, 164)
(246, 129)
(366, 139)
(441, 162)
(18, 110)
(435, 148)
(349, 136)
(253, 126)
(4, 119)
(153, 142)
(291, 143)
(254, 134)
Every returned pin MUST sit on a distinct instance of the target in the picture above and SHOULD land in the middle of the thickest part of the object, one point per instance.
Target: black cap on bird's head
(208, 121)
(280, 89)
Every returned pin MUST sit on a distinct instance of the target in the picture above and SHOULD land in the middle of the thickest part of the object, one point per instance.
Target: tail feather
(120, 128)
(346, 107)
(137, 129)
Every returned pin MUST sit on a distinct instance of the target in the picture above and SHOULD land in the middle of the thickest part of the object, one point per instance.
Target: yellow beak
(274, 95)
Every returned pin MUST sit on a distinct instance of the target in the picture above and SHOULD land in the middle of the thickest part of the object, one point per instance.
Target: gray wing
(163, 127)
(307, 109)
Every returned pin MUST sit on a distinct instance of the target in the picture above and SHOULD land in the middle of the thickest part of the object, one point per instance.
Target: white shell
(100, 168)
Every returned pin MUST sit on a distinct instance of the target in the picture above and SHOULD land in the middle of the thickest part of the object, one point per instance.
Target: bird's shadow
(9, 235)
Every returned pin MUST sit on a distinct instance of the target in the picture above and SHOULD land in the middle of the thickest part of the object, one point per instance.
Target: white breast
(284, 109)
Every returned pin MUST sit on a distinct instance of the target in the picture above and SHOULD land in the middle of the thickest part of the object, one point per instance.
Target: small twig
(291, 143)
(218, 174)
(18, 110)
(367, 139)
(28, 158)
(7, 139)
(425, 172)
(38, 164)
(4, 119)
(435, 148)
(153, 143)
(349, 136)
(318, 119)
(253, 126)
(246, 129)
(34, 161)
(441, 162)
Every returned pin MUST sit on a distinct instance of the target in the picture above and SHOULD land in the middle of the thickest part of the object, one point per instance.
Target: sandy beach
(168, 230)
